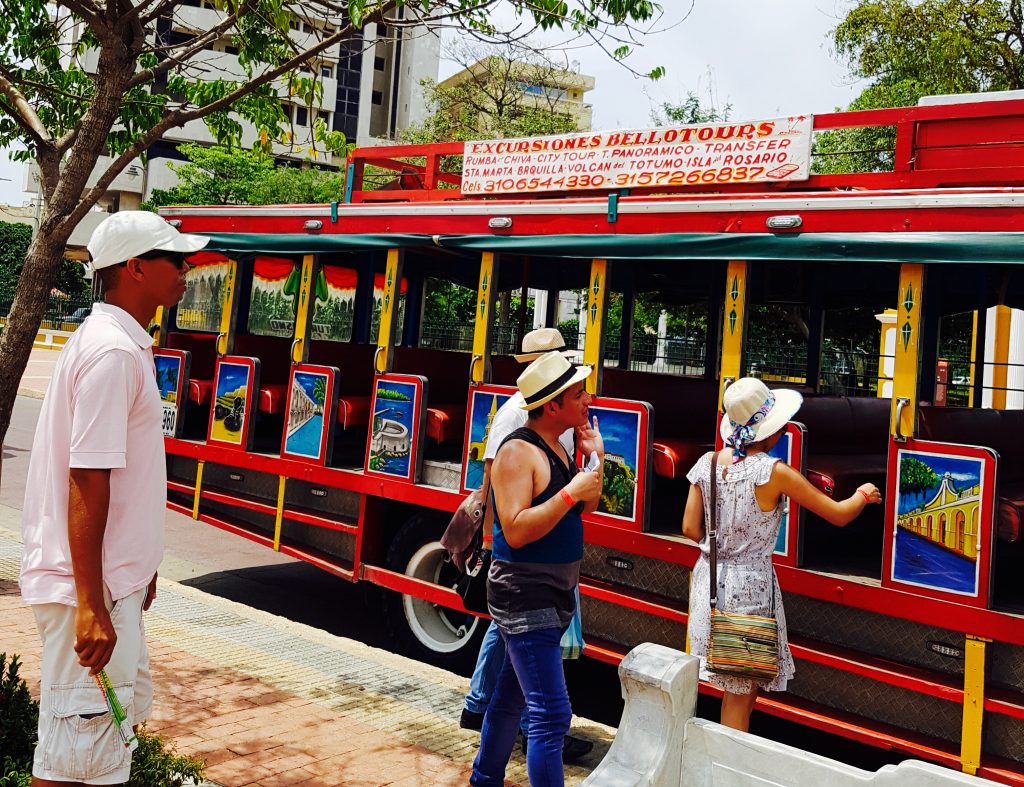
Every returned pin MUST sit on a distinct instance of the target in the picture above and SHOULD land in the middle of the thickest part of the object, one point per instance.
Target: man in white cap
(95, 505)
(539, 497)
(511, 416)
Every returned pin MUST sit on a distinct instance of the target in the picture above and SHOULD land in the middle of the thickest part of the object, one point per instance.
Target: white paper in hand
(593, 463)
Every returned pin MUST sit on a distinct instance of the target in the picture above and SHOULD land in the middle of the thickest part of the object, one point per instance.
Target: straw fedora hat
(540, 341)
(547, 377)
(749, 403)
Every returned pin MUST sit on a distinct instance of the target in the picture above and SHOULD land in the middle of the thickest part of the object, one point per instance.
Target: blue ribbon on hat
(744, 433)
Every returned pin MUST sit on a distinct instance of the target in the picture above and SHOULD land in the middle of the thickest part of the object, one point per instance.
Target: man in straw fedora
(511, 416)
(539, 498)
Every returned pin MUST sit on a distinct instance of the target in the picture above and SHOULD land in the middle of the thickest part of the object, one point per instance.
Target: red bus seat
(203, 348)
(353, 411)
(1000, 430)
(673, 457)
(275, 366)
(199, 390)
(446, 422)
(847, 442)
(447, 374)
(272, 397)
(684, 415)
(355, 378)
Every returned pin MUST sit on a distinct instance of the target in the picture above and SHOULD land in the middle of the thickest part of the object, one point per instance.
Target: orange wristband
(567, 497)
(867, 497)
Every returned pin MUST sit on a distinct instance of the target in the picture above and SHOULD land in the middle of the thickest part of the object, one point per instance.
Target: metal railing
(63, 312)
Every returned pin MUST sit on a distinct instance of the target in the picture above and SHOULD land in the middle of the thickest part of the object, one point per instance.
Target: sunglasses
(176, 259)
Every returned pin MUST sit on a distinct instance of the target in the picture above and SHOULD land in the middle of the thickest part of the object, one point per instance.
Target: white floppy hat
(750, 406)
(540, 341)
(547, 377)
(129, 233)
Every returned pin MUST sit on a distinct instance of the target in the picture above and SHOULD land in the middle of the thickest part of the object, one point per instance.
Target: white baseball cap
(129, 233)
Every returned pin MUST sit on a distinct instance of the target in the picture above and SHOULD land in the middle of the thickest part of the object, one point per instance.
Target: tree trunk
(41, 263)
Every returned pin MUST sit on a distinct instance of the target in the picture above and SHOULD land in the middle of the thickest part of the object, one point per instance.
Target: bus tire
(419, 629)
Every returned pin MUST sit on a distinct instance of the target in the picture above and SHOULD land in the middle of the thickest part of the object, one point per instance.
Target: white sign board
(698, 155)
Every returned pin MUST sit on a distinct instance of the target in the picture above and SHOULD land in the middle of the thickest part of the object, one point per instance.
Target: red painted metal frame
(353, 480)
(912, 166)
(416, 428)
(645, 447)
(986, 519)
(330, 408)
(499, 390)
(252, 366)
(184, 359)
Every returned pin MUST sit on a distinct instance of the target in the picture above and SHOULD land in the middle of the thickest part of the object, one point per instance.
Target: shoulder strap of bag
(713, 527)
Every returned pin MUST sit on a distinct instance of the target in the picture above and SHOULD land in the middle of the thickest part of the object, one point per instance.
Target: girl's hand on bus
(589, 439)
(585, 487)
(870, 494)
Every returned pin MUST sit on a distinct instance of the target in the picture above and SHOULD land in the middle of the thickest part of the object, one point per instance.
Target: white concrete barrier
(660, 744)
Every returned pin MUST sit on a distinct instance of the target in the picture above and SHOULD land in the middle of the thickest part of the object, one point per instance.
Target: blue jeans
(531, 677)
(485, 675)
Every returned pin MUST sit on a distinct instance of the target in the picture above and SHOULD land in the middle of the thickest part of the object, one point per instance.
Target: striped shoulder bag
(746, 646)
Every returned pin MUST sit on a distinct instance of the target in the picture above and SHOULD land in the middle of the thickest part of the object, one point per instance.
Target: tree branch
(22, 112)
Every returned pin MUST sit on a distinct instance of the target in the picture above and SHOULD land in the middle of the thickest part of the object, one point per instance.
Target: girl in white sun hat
(751, 485)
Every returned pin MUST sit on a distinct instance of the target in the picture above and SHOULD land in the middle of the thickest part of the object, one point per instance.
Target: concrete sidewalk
(269, 702)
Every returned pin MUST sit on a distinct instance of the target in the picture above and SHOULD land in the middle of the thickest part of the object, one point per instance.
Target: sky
(766, 58)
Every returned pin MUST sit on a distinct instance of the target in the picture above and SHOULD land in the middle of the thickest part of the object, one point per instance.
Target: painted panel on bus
(396, 435)
(790, 449)
(172, 373)
(312, 411)
(236, 387)
(199, 308)
(624, 425)
(939, 519)
(484, 403)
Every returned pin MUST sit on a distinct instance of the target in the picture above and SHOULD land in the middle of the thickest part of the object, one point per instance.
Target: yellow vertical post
(388, 309)
(734, 320)
(279, 516)
(886, 353)
(593, 343)
(974, 704)
(1002, 316)
(304, 314)
(478, 372)
(908, 350)
(227, 309)
(974, 358)
(158, 321)
(198, 489)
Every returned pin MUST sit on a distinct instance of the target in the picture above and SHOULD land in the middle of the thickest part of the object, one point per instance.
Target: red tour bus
(329, 378)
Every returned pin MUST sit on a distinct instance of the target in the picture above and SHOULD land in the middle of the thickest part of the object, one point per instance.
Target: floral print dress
(746, 579)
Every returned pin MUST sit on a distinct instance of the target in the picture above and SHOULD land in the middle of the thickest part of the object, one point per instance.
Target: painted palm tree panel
(311, 413)
(940, 511)
(395, 436)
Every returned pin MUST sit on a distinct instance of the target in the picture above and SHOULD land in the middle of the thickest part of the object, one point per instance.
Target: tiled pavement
(269, 702)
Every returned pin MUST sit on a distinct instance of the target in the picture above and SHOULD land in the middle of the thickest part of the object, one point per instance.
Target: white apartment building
(371, 90)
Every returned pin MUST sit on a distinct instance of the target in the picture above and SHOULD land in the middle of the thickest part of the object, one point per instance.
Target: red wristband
(867, 497)
(567, 497)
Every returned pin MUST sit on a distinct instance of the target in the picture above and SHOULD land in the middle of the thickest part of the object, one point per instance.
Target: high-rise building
(371, 91)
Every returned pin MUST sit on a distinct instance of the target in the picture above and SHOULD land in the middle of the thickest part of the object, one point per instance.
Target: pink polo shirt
(102, 410)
